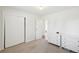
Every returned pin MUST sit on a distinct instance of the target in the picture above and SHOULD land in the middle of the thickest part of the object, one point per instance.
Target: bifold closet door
(14, 30)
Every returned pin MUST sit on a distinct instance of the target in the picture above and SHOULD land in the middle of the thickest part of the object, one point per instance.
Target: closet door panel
(20, 27)
(14, 30)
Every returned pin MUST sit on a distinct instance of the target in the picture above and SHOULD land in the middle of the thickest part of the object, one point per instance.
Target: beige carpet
(36, 46)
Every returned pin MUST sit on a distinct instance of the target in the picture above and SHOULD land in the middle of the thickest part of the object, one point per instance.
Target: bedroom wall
(58, 21)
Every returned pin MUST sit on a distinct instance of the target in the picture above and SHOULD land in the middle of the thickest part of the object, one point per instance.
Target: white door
(40, 29)
(14, 30)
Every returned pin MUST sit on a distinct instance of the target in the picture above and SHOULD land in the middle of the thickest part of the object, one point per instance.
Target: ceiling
(44, 11)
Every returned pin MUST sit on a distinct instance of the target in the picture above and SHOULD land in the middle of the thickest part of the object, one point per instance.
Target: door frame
(25, 18)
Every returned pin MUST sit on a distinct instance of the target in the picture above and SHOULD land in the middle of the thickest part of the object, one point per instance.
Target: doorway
(46, 29)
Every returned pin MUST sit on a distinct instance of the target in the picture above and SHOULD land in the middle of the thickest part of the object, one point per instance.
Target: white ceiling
(45, 11)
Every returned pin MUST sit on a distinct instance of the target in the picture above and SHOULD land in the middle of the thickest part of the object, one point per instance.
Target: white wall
(61, 19)
(1, 29)
(67, 23)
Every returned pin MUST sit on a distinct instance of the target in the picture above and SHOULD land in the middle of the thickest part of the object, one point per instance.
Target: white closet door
(20, 27)
(14, 30)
